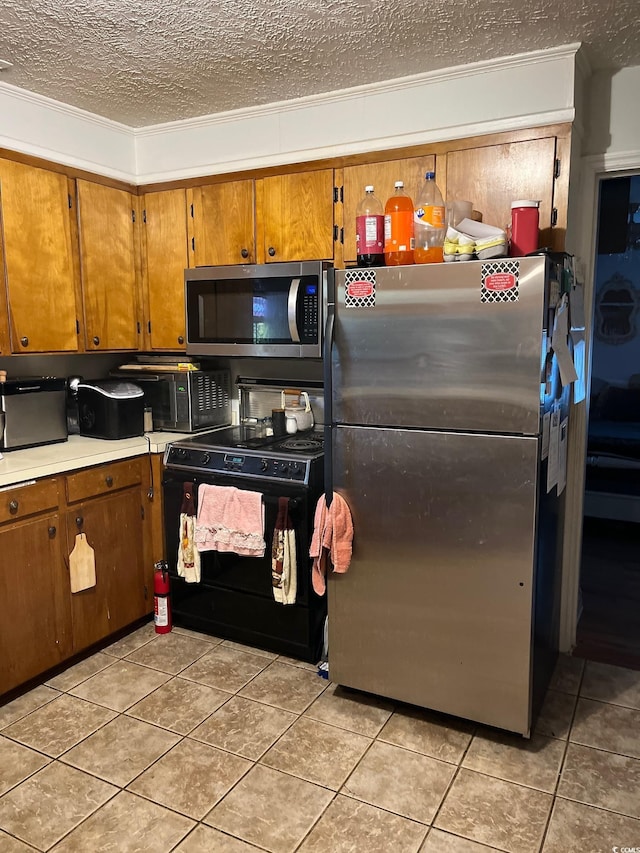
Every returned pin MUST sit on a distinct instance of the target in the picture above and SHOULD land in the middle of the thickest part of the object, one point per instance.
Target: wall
(613, 119)
(536, 88)
(45, 128)
(87, 365)
(611, 146)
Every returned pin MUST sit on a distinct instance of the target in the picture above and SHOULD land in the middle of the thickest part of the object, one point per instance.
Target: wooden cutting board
(82, 565)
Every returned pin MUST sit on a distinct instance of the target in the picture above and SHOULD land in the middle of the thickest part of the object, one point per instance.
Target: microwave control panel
(309, 332)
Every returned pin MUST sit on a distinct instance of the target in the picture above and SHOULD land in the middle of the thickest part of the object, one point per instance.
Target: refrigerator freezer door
(431, 346)
(436, 607)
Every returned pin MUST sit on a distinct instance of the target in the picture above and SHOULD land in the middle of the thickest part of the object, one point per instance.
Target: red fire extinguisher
(161, 599)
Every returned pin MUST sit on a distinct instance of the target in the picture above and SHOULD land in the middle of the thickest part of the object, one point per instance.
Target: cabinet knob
(52, 532)
(79, 522)
(13, 507)
(245, 253)
(24, 341)
(272, 251)
(180, 339)
(109, 480)
(96, 340)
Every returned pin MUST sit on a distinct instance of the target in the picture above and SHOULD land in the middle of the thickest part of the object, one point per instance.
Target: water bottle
(398, 228)
(430, 223)
(370, 230)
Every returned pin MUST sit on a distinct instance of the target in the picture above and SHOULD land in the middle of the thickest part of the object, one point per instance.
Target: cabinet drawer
(28, 500)
(103, 479)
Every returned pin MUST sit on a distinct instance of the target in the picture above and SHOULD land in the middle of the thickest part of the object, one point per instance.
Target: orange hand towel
(332, 539)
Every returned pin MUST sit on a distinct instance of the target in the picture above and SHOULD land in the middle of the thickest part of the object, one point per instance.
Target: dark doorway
(609, 621)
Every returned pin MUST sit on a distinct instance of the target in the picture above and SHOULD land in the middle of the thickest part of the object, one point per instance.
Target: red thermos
(524, 228)
(161, 600)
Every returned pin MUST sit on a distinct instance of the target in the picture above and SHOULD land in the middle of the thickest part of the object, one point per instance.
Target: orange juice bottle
(398, 228)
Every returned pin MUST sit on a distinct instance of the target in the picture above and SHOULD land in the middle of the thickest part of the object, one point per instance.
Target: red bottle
(370, 231)
(524, 228)
(161, 599)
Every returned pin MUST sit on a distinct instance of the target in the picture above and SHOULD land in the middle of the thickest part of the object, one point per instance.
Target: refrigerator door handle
(328, 404)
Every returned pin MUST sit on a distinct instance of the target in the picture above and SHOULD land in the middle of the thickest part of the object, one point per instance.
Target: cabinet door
(35, 622)
(493, 176)
(113, 526)
(297, 216)
(223, 224)
(383, 177)
(38, 256)
(165, 229)
(108, 266)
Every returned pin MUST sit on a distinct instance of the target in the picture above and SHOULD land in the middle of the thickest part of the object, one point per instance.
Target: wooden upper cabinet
(165, 253)
(223, 224)
(39, 260)
(295, 214)
(108, 263)
(383, 177)
(5, 341)
(492, 177)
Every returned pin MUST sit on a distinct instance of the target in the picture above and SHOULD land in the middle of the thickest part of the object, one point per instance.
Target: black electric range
(234, 598)
(240, 451)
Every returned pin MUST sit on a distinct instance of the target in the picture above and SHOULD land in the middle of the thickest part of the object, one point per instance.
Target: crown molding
(363, 146)
(616, 161)
(65, 109)
(74, 162)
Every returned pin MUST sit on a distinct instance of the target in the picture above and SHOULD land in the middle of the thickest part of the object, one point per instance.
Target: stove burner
(301, 444)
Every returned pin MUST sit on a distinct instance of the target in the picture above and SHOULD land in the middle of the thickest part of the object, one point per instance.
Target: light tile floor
(183, 742)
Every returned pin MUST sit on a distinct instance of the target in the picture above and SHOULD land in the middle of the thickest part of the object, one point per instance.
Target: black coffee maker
(73, 417)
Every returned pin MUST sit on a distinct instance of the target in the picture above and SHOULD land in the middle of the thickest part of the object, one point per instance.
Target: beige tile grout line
(254, 762)
(120, 789)
(562, 762)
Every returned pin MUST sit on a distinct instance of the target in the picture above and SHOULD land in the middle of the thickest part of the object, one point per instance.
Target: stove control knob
(295, 467)
(183, 453)
(264, 464)
(285, 468)
(205, 458)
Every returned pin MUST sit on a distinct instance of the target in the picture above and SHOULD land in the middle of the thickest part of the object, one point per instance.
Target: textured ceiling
(143, 62)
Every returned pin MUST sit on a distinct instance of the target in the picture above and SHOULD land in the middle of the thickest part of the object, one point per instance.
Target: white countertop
(18, 466)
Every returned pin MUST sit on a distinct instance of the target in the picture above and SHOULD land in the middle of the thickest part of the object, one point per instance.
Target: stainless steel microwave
(273, 310)
(181, 400)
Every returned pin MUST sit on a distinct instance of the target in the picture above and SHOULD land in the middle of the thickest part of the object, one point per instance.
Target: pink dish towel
(332, 540)
(230, 519)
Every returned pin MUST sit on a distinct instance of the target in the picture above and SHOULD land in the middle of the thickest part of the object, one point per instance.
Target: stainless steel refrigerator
(437, 380)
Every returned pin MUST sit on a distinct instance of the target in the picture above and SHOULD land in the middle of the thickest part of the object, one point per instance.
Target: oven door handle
(292, 310)
(272, 499)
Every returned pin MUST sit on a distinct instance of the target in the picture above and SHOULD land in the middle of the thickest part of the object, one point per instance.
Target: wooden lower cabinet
(42, 623)
(113, 526)
(35, 599)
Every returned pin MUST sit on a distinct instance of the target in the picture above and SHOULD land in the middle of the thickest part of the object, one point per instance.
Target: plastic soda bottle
(370, 230)
(398, 228)
(430, 224)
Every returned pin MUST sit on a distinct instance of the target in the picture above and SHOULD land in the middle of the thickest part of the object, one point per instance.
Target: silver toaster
(32, 412)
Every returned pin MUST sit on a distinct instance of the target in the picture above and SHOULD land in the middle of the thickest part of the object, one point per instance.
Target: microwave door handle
(291, 310)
